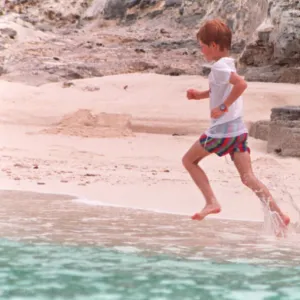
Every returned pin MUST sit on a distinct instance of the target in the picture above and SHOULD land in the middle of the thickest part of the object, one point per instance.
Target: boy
(227, 133)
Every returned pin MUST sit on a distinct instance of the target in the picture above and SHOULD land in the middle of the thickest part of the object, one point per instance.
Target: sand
(118, 140)
(85, 124)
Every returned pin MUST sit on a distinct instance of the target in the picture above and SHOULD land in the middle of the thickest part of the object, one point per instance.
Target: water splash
(276, 184)
(273, 223)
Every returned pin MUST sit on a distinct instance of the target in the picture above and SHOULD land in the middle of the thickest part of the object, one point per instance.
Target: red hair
(215, 31)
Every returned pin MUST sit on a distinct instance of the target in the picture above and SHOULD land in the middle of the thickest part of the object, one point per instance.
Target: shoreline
(88, 202)
(81, 142)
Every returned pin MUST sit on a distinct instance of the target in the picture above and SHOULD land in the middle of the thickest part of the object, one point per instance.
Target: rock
(284, 131)
(91, 88)
(94, 10)
(131, 18)
(259, 52)
(141, 66)
(167, 70)
(262, 74)
(154, 13)
(205, 70)
(276, 43)
(286, 35)
(139, 50)
(2, 70)
(44, 27)
(190, 19)
(67, 84)
(290, 75)
(163, 31)
(11, 33)
(286, 113)
(19, 165)
(238, 46)
(260, 130)
(70, 72)
(175, 44)
(132, 3)
(114, 9)
(266, 39)
(173, 3)
(146, 3)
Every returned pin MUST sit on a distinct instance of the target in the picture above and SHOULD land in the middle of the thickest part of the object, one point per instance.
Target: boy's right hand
(191, 94)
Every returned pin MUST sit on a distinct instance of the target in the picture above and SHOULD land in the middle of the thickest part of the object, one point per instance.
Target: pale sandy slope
(100, 158)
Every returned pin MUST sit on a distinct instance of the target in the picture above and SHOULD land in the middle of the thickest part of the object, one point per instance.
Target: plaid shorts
(223, 146)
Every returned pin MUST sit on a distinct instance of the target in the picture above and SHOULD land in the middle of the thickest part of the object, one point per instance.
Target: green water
(58, 249)
(51, 271)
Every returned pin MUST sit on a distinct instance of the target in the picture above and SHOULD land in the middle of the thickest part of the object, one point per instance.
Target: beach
(118, 140)
(94, 123)
(95, 202)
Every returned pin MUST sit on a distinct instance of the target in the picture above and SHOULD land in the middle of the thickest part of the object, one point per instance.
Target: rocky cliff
(273, 52)
(53, 40)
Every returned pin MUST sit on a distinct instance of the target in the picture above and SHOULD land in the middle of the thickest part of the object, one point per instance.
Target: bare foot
(286, 220)
(208, 209)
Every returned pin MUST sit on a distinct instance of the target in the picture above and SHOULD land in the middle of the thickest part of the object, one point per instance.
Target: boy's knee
(248, 179)
(186, 162)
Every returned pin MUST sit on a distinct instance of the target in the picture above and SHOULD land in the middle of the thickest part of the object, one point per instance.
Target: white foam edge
(91, 202)
(82, 200)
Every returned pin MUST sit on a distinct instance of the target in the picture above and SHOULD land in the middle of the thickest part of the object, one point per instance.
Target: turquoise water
(53, 248)
(48, 271)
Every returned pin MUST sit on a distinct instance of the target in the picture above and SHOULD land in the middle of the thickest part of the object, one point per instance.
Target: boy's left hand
(216, 113)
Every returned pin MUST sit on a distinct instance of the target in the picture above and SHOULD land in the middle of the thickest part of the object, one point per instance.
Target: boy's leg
(190, 161)
(242, 162)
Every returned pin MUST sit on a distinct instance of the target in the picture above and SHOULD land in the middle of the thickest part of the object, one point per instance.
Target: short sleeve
(221, 75)
(221, 70)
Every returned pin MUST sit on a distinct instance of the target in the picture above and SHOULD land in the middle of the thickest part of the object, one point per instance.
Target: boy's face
(209, 51)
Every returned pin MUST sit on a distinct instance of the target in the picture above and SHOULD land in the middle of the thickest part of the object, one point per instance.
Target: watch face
(222, 107)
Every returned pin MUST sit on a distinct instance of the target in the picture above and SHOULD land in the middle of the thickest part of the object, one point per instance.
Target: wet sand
(50, 218)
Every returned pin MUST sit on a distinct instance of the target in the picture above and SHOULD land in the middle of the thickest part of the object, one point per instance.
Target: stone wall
(282, 132)
(260, 130)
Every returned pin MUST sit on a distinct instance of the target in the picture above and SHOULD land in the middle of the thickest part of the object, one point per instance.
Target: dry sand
(119, 140)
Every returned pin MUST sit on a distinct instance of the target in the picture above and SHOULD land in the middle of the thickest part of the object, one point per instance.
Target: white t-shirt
(230, 124)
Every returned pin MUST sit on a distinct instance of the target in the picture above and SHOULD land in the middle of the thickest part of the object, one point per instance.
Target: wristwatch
(223, 107)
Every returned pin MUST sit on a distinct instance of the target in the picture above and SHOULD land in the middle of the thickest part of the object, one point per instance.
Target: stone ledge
(260, 130)
(282, 132)
(286, 113)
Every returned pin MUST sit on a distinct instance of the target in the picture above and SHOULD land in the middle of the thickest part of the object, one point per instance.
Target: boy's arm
(239, 86)
(201, 95)
(197, 95)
